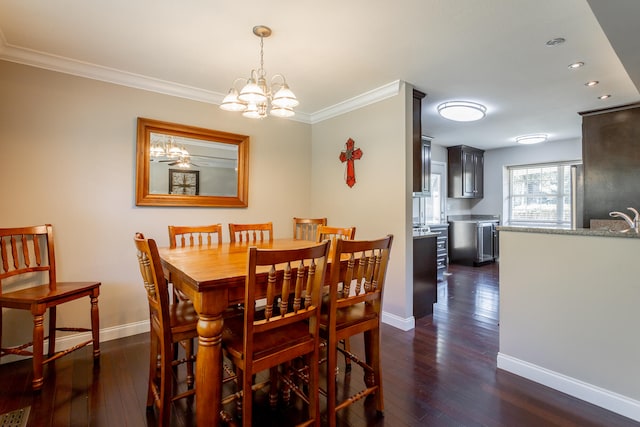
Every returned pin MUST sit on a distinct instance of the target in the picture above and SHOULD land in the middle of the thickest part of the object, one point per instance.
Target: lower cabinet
(425, 275)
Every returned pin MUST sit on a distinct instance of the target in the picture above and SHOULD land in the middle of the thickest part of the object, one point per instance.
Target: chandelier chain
(262, 56)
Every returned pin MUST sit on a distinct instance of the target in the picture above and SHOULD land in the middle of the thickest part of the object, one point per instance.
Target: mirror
(179, 165)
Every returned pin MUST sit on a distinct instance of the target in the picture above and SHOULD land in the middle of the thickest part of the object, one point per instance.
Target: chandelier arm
(280, 84)
(239, 79)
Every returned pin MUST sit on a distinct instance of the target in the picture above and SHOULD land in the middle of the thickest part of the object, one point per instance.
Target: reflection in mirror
(216, 164)
(186, 166)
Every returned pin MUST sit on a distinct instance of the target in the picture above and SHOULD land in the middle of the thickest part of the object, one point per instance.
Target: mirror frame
(143, 165)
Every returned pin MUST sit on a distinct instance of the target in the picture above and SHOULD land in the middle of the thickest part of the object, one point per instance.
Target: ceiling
(335, 51)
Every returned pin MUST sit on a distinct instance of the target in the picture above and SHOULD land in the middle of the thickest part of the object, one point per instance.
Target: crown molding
(64, 65)
(359, 101)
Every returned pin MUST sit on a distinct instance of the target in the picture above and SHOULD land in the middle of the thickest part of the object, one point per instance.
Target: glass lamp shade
(232, 103)
(156, 150)
(252, 93)
(173, 150)
(462, 111)
(284, 98)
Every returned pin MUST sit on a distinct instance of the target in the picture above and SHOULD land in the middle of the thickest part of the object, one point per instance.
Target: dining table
(213, 278)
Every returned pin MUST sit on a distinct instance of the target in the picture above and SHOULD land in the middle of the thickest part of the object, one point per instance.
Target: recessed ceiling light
(462, 111)
(591, 83)
(555, 42)
(576, 65)
(604, 96)
(534, 138)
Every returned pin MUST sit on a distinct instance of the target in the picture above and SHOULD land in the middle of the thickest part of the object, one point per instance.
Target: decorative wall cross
(349, 155)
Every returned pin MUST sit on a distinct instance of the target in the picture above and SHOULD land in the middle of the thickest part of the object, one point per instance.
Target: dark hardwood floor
(442, 373)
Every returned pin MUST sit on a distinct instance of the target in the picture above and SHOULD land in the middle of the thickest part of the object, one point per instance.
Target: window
(540, 194)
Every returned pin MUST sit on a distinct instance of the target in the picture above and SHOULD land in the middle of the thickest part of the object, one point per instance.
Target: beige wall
(379, 202)
(67, 150)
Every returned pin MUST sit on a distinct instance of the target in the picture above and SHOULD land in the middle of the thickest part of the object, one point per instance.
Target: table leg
(208, 370)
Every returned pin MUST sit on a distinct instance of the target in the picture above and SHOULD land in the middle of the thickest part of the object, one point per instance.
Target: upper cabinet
(421, 150)
(466, 172)
(611, 159)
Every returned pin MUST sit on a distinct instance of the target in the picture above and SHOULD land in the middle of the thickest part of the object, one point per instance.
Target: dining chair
(332, 234)
(269, 337)
(197, 235)
(306, 228)
(170, 324)
(190, 236)
(250, 233)
(355, 307)
(27, 257)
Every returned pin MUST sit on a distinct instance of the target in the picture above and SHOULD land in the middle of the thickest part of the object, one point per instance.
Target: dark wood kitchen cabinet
(425, 275)
(421, 150)
(611, 160)
(466, 172)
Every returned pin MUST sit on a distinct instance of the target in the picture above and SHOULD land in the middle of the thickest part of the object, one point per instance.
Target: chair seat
(348, 316)
(43, 294)
(264, 343)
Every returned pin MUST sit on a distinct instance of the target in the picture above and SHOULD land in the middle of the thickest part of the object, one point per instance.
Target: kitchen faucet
(634, 224)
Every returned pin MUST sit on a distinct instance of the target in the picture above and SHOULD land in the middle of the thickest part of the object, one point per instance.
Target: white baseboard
(106, 334)
(606, 399)
(404, 324)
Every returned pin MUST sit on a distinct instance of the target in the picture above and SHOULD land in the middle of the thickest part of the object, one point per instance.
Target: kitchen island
(570, 312)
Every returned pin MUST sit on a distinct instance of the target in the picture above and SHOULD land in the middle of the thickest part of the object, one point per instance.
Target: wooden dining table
(213, 277)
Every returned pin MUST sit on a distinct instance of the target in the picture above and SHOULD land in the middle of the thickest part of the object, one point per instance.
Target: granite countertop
(600, 232)
(425, 235)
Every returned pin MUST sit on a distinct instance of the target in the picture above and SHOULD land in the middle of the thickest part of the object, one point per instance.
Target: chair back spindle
(307, 228)
(250, 233)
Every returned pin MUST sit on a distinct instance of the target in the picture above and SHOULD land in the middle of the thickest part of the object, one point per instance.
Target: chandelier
(165, 149)
(256, 98)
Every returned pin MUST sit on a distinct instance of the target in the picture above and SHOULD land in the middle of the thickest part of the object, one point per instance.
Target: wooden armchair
(250, 233)
(199, 235)
(332, 234)
(170, 324)
(354, 308)
(24, 252)
(306, 228)
(269, 337)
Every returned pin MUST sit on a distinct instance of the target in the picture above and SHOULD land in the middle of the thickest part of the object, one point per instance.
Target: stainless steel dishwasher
(473, 239)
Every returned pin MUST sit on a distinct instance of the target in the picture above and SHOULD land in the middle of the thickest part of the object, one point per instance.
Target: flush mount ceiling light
(256, 98)
(576, 65)
(534, 138)
(591, 83)
(604, 97)
(462, 111)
